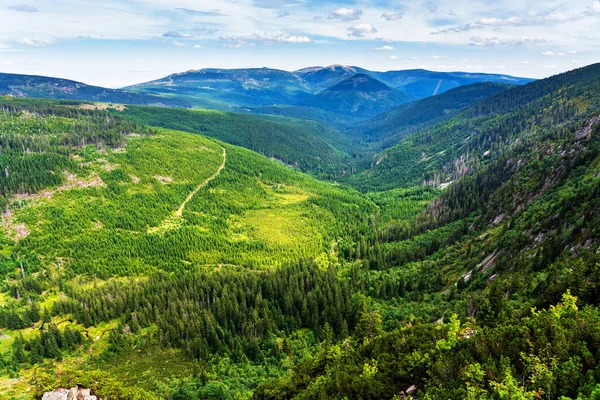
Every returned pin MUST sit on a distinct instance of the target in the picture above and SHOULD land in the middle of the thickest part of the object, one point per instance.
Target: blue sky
(117, 43)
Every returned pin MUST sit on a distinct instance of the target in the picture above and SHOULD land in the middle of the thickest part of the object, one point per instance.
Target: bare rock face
(76, 393)
(58, 394)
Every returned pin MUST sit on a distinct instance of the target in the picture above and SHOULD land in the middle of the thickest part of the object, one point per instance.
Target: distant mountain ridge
(259, 87)
(392, 126)
(19, 85)
(366, 92)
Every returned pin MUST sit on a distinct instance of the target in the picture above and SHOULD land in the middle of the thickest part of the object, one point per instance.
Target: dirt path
(179, 212)
(175, 220)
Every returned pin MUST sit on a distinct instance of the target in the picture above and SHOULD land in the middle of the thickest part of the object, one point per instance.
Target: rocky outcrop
(58, 394)
(77, 393)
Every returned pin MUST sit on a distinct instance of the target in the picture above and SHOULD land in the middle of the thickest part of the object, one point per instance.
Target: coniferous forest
(446, 249)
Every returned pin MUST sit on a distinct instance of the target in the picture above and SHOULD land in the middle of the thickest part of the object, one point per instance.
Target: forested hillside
(447, 151)
(391, 127)
(146, 256)
(308, 145)
(504, 262)
(101, 198)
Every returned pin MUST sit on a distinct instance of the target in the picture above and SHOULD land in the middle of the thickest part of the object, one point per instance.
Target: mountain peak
(362, 83)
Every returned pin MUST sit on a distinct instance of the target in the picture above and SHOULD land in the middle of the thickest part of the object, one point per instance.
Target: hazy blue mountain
(55, 88)
(239, 87)
(324, 77)
(359, 95)
(259, 87)
(421, 83)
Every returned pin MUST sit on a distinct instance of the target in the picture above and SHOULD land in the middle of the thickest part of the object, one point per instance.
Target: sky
(118, 43)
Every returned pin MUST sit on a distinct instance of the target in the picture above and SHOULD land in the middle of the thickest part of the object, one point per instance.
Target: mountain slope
(392, 126)
(55, 88)
(498, 278)
(241, 87)
(304, 112)
(307, 145)
(445, 152)
(422, 83)
(360, 96)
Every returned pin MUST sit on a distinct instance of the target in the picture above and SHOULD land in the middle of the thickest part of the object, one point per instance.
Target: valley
(348, 237)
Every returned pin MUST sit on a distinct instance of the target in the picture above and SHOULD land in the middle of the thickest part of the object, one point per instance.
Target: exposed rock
(467, 276)
(586, 132)
(445, 184)
(488, 262)
(164, 179)
(381, 158)
(498, 219)
(76, 393)
(411, 390)
(21, 231)
(58, 394)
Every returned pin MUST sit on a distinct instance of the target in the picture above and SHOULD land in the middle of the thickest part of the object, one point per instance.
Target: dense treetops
(469, 268)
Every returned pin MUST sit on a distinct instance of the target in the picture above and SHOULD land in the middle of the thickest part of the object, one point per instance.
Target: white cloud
(360, 30)
(177, 35)
(35, 42)
(391, 16)
(293, 39)
(499, 21)
(346, 14)
(596, 7)
(550, 66)
(524, 62)
(179, 44)
(199, 46)
(8, 49)
(393, 57)
(559, 54)
(266, 38)
(532, 18)
(438, 57)
(23, 8)
(385, 48)
(494, 41)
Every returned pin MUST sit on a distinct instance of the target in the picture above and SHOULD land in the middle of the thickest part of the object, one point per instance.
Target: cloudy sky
(116, 43)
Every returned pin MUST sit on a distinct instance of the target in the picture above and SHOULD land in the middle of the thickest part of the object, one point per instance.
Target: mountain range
(245, 89)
